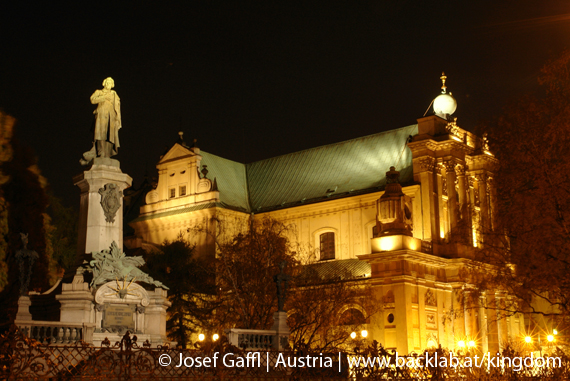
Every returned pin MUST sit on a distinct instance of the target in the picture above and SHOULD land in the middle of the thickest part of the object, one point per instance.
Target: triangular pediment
(175, 153)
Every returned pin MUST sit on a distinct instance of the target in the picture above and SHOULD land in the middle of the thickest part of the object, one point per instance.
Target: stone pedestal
(76, 302)
(124, 306)
(24, 304)
(155, 319)
(281, 329)
(101, 206)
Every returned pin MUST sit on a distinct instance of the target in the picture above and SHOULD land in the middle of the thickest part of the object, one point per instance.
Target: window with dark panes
(327, 245)
(172, 192)
(182, 190)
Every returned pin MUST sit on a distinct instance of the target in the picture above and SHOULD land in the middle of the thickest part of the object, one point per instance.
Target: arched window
(327, 245)
(352, 316)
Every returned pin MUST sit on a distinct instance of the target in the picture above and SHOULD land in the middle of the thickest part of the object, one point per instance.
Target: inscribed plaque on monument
(118, 316)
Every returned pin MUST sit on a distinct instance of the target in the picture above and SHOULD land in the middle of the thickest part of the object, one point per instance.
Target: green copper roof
(230, 178)
(317, 174)
(329, 171)
(343, 269)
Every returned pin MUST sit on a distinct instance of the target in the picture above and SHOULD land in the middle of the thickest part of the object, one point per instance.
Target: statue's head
(108, 83)
(24, 238)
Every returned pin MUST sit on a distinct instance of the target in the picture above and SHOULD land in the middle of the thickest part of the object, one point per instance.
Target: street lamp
(353, 335)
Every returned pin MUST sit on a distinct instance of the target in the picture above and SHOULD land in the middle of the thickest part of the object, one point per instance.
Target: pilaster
(451, 193)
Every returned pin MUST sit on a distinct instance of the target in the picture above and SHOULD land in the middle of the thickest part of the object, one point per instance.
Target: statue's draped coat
(107, 117)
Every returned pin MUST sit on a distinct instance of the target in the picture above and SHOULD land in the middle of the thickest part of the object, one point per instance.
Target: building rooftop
(332, 171)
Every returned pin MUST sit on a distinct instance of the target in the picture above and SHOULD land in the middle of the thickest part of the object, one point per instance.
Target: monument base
(24, 304)
(101, 206)
(281, 331)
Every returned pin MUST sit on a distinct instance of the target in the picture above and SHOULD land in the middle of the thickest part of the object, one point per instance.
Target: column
(462, 196)
(483, 201)
(451, 193)
(493, 204)
(443, 227)
(430, 216)
(492, 321)
(482, 324)
(472, 212)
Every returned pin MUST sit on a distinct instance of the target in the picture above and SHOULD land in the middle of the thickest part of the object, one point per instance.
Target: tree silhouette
(26, 203)
(530, 243)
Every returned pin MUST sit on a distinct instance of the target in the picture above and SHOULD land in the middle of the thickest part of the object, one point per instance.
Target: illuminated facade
(414, 228)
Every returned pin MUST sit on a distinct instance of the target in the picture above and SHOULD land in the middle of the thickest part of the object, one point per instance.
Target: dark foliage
(27, 203)
(191, 285)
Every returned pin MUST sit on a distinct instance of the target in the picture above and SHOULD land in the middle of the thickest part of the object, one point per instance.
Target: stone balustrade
(57, 333)
(251, 339)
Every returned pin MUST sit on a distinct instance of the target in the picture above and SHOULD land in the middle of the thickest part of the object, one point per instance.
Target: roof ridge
(331, 144)
(249, 204)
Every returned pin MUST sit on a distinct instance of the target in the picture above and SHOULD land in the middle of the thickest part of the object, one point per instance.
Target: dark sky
(251, 80)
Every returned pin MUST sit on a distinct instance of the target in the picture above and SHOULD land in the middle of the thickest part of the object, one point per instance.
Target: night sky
(251, 80)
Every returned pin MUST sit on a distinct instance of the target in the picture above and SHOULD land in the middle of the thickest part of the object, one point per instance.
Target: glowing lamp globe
(444, 104)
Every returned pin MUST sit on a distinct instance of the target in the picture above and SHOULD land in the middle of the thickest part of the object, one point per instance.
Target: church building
(390, 206)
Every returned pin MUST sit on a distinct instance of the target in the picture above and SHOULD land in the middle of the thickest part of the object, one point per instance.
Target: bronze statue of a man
(107, 119)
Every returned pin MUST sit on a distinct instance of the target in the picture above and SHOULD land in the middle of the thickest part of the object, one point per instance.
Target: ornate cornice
(427, 144)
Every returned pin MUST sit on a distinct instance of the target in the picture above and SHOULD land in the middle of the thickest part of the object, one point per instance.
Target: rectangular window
(182, 190)
(327, 246)
(172, 192)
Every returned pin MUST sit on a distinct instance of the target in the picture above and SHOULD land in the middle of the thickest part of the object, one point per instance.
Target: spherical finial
(181, 134)
(444, 104)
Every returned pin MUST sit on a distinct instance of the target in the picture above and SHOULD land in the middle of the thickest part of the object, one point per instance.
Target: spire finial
(443, 87)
